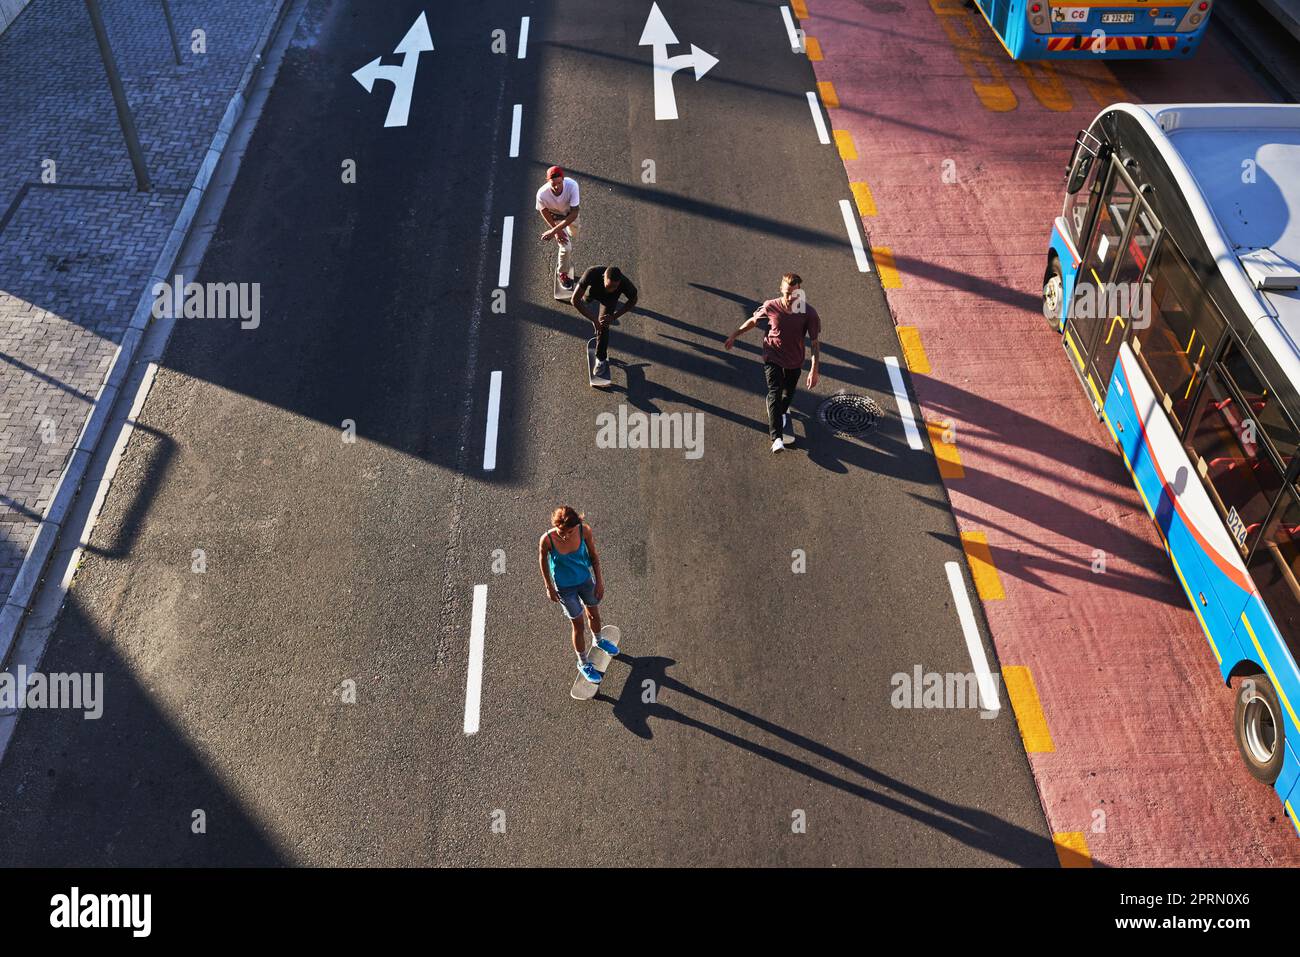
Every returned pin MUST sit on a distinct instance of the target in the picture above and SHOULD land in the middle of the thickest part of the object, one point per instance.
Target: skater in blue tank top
(571, 572)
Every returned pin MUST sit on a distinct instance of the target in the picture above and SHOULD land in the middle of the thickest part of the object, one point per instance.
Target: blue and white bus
(1076, 29)
(1173, 277)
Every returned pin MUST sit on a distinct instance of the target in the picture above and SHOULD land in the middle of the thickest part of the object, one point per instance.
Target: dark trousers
(780, 390)
(602, 340)
(595, 313)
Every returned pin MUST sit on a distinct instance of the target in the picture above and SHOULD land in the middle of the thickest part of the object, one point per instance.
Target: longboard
(591, 366)
(788, 429)
(584, 690)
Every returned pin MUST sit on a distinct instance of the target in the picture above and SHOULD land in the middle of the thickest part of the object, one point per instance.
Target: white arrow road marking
(659, 35)
(493, 414)
(983, 677)
(416, 41)
(904, 403)
(474, 680)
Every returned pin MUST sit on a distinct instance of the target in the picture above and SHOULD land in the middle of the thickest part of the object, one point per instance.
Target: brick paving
(75, 254)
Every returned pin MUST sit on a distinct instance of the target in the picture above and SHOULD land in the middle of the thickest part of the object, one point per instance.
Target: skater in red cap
(557, 201)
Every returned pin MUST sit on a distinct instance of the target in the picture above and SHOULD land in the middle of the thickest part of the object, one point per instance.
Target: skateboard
(591, 366)
(584, 690)
(788, 429)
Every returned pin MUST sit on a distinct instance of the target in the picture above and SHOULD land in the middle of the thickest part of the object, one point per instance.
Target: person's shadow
(648, 681)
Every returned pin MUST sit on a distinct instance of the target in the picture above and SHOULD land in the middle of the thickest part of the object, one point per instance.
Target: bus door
(1108, 294)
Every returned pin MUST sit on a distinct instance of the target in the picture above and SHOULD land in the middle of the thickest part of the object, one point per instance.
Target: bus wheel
(1259, 728)
(1053, 293)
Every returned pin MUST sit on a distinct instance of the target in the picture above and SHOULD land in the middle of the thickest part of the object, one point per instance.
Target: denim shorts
(572, 599)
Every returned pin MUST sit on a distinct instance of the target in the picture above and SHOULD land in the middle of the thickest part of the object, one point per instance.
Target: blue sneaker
(590, 673)
(607, 646)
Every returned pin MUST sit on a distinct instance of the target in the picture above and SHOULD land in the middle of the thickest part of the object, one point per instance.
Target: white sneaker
(778, 446)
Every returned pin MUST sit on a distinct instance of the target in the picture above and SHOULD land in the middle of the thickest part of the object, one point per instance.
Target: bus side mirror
(1080, 162)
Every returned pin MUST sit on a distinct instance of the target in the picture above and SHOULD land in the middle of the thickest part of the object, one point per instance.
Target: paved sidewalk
(75, 253)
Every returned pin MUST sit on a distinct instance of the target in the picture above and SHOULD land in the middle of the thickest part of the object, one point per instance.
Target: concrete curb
(30, 573)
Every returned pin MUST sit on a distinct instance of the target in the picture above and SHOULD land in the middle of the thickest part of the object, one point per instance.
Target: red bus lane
(956, 155)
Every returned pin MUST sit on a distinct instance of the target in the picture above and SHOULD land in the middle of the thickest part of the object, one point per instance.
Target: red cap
(554, 171)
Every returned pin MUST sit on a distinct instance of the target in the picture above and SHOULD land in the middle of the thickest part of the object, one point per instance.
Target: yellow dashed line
(884, 257)
(1029, 710)
(844, 140)
(982, 570)
(1072, 849)
(800, 9)
(862, 196)
(913, 352)
(945, 453)
(827, 90)
(812, 48)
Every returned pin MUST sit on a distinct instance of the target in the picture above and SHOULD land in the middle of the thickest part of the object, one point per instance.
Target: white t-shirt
(567, 198)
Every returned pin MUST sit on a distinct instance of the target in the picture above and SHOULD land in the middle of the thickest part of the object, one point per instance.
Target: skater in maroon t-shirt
(789, 319)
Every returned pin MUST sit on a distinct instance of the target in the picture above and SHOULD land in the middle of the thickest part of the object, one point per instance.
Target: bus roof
(1239, 168)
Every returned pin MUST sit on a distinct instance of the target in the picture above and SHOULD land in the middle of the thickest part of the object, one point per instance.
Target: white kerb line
(474, 682)
(988, 689)
(795, 46)
(514, 129)
(904, 403)
(507, 242)
(523, 37)
(823, 137)
(851, 224)
(493, 414)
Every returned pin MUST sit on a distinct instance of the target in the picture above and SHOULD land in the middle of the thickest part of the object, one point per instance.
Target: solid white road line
(904, 403)
(988, 690)
(507, 243)
(514, 129)
(789, 28)
(822, 136)
(851, 224)
(523, 37)
(493, 413)
(474, 682)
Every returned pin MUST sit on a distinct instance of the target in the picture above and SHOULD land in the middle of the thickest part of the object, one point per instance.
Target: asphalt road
(331, 562)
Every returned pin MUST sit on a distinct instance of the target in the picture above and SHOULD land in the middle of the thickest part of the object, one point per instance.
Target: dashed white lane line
(851, 224)
(523, 37)
(514, 129)
(823, 136)
(493, 413)
(904, 403)
(507, 244)
(961, 599)
(789, 29)
(474, 681)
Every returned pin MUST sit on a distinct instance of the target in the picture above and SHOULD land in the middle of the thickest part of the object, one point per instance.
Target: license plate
(1118, 17)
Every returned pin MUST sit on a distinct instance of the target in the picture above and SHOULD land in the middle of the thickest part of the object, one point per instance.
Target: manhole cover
(846, 414)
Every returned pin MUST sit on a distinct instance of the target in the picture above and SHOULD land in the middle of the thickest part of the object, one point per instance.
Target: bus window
(1224, 443)
(1266, 410)
(1274, 568)
(1178, 342)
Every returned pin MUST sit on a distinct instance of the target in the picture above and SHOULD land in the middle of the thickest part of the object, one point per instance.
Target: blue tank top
(571, 569)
